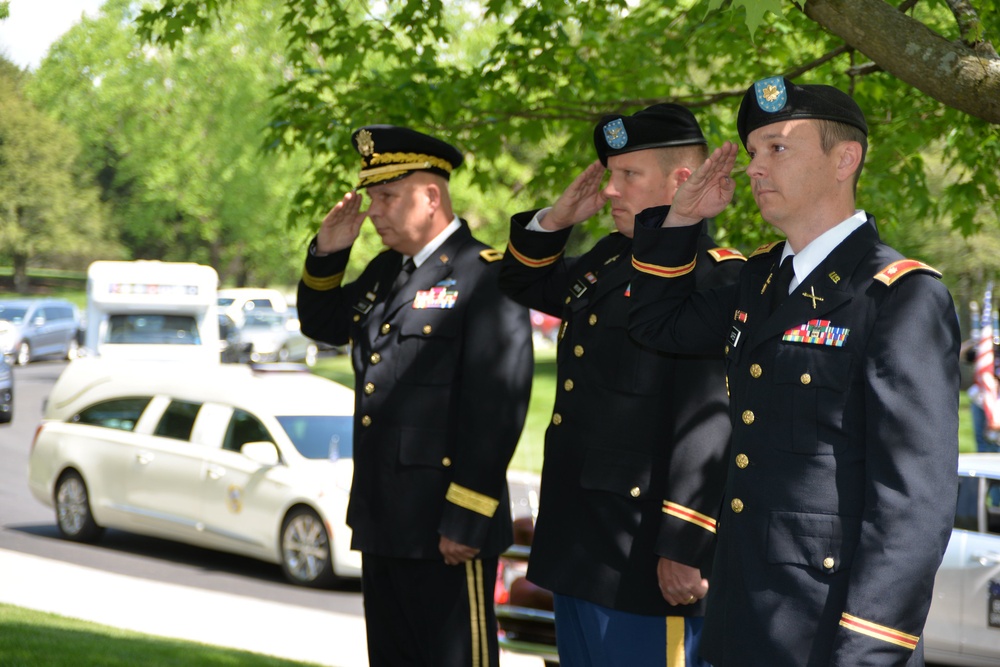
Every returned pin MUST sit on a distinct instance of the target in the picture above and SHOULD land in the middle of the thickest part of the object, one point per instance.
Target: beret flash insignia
(615, 134)
(771, 94)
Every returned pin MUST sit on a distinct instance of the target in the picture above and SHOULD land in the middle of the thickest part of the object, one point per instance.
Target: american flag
(985, 371)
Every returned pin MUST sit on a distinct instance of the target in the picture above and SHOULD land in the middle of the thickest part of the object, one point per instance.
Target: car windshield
(12, 314)
(153, 330)
(320, 436)
(261, 320)
(225, 301)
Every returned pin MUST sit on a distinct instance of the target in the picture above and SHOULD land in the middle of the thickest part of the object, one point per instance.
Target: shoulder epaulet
(722, 254)
(766, 248)
(491, 255)
(900, 268)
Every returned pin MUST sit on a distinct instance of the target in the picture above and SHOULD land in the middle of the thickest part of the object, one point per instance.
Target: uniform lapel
(828, 283)
(436, 269)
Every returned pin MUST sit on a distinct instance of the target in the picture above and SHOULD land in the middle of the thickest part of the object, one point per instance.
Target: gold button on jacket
(737, 505)
(748, 417)
(742, 460)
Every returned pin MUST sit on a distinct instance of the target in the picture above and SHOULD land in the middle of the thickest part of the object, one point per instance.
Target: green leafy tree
(47, 214)
(529, 80)
(174, 138)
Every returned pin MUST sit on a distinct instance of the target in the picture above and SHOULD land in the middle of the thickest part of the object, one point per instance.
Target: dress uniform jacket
(443, 376)
(634, 454)
(841, 485)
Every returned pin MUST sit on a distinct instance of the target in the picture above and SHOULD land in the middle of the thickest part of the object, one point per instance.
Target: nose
(610, 191)
(756, 167)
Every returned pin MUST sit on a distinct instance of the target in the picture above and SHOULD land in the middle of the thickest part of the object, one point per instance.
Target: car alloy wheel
(73, 514)
(23, 353)
(305, 549)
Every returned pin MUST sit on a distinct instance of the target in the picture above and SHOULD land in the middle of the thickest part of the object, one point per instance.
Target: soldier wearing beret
(842, 363)
(442, 363)
(634, 455)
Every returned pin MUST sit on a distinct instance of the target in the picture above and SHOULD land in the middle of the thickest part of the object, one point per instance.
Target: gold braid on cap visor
(400, 163)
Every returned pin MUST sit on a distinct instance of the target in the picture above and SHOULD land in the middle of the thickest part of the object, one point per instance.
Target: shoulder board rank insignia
(766, 248)
(722, 254)
(900, 268)
(491, 255)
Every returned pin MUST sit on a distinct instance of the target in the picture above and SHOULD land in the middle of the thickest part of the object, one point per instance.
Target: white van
(152, 310)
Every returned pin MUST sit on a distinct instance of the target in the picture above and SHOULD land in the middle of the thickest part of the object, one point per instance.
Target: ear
(433, 192)
(849, 160)
(681, 174)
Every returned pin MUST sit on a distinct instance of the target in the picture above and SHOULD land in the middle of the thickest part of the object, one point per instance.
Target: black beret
(658, 126)
(389, 153)
(777, 99)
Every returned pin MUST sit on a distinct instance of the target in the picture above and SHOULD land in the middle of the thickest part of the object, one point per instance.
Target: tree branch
(970, 27)
(951, 73)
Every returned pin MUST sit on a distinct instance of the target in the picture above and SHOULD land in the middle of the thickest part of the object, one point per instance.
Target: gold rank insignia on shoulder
(766, 248)
(491, 255)
(723, 254)
(900, 268)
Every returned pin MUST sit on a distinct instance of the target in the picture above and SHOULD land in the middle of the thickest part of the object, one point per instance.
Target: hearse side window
(967, 512)
(119, 413)
(244, 428)
(992, 501)
(178, 420)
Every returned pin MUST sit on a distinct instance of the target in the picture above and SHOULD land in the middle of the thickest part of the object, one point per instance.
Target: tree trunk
(951, 73)
(20, 273)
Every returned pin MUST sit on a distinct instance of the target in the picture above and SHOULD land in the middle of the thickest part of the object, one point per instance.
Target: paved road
(158, 586)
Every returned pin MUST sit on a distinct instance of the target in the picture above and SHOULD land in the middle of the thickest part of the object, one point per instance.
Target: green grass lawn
(32, 639)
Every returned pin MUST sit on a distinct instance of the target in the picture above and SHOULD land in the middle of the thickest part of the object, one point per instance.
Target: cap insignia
(771, 94)
(366, 145)
(615, 134)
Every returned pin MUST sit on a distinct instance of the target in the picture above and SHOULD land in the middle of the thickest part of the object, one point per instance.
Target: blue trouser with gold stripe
(589, 635)
(423, 613)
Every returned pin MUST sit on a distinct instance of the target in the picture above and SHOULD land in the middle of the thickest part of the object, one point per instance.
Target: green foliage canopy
(528, 81)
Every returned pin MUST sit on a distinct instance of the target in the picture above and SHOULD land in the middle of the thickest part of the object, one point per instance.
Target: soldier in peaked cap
(842, 363)
(634, 462)
(442, 363)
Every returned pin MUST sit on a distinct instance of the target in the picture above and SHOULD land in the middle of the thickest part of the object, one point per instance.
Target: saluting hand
(580, 201)
(708, 190)
(341, 226)
(455, 553)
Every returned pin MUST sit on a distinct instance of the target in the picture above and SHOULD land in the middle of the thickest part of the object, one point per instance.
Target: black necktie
(404, 275)
(780, 283)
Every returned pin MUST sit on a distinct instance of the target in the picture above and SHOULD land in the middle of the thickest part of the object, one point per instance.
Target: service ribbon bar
(817, 332)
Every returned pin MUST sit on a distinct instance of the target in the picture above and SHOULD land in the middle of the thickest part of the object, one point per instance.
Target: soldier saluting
(442, 363)
(842, 364)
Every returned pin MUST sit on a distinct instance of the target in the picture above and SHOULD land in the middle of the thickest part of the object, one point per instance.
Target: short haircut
(672, 157)
(832, 133)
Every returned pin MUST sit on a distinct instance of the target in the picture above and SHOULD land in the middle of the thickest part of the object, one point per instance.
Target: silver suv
(33, 328)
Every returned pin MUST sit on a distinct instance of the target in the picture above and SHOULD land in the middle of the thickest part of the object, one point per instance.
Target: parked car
(268, 335)
(231, 348)
(230, 457)
(238, 301)
(6, 392)
(963, 627)
(33, 328)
